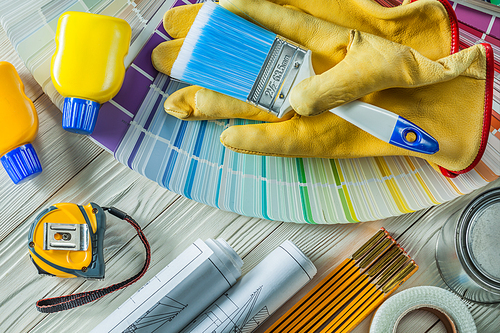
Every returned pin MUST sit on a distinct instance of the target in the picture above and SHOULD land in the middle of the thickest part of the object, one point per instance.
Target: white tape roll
(445, 305)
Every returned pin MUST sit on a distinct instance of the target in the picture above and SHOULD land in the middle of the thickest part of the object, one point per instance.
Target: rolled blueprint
(180, 292)
(257, 294)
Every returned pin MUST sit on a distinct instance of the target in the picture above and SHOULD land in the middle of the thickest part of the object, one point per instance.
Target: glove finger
(326, 136)
(323, 136)
(178, 20)
(351, 78)
(164, 55)
(197, 103)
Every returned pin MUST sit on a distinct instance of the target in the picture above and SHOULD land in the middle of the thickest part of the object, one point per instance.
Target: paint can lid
(479, 234)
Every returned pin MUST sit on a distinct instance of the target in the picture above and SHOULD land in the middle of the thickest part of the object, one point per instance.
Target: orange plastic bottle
(18, 127)
(88, 66)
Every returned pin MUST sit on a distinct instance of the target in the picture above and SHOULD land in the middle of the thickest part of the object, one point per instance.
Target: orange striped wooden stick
(352, 290)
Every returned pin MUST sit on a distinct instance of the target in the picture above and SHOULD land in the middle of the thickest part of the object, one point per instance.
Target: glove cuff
(488, 104)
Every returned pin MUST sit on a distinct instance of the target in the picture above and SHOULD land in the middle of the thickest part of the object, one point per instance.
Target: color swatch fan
(187, 157)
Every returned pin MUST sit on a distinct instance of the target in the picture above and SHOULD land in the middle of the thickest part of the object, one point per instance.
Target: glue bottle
(18, 127)
(87, 67)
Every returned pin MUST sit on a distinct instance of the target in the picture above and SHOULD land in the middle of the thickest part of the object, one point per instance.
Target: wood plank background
(77, 170)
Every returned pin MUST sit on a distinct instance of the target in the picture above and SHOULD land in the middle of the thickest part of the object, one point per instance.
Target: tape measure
(66, 240)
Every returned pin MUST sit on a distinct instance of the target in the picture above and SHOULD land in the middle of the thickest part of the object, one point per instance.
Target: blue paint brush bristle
(223, 52)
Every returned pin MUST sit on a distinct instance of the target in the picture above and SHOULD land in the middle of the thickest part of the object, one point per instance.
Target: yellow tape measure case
(66, 240)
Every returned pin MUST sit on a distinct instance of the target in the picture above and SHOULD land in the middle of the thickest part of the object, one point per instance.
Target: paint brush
(235, 57)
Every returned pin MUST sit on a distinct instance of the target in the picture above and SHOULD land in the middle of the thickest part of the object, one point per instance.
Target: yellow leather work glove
(353, 65)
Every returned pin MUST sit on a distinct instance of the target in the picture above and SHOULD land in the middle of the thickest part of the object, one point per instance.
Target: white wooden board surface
(77, 170)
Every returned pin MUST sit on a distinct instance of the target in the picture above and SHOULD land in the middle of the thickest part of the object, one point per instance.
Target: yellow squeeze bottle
(18, 127)
(88, 65)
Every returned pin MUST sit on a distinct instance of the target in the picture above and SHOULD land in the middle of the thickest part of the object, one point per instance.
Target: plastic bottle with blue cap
(87, 67)
(18, 128)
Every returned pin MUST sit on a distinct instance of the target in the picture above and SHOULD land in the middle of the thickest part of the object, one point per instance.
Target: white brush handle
(387, 126)
(382, 124)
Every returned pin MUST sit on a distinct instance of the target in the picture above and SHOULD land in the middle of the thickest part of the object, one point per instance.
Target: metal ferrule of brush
(277, 75)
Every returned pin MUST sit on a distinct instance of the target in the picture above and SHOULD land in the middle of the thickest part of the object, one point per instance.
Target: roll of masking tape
(448, 307)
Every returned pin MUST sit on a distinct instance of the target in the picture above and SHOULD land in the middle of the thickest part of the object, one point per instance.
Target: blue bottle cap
(79, 115)
(21, 163)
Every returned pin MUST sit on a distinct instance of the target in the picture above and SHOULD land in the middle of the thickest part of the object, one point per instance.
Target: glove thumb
(372, 64)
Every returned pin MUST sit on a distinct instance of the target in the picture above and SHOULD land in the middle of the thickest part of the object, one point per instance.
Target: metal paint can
(468, 249)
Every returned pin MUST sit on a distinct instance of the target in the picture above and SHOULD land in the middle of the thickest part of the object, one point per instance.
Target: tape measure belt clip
(66, 240)
(71, 237)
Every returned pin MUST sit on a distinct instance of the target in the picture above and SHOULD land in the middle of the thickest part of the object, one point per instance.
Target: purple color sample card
(472, 17)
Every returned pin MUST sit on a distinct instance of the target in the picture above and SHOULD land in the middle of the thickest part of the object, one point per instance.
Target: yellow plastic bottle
(88, 65)
(18, 127)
